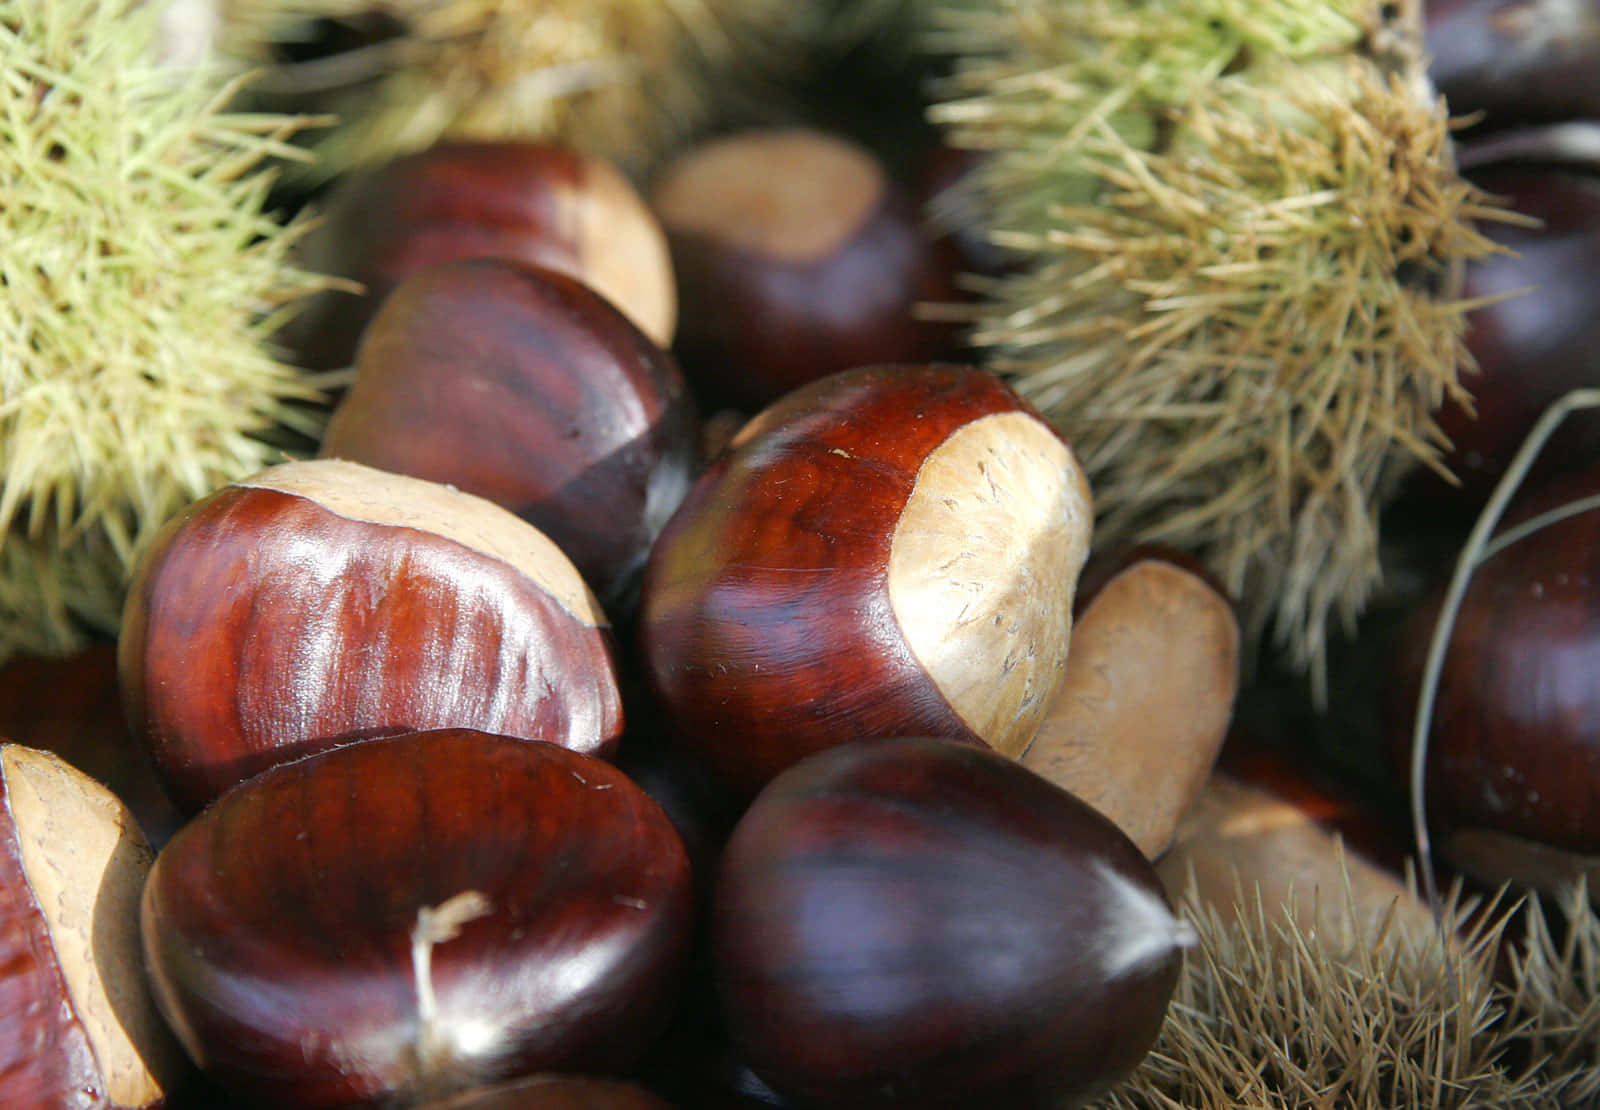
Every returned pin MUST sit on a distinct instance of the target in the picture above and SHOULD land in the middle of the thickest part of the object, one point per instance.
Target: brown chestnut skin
(913, 922)
(322, 602)
(796, 255)
(1515, 61)
(555, 1092)
(539, 202)
(78, 1026)
(525, 387)
(889, 551)
(1538, 342)
(1514, 749)
(281, 926)
(72, 706)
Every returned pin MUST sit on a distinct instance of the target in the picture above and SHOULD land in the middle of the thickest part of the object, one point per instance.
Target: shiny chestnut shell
(279, 925)
(911, 922)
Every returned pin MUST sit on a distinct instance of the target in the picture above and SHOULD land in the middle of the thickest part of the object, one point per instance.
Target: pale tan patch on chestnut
(1149, 691)
(86, 862)
(982, 570)
(622, 250)
(795, 195)
(1496, 857)
(374, 496)
(1238, 839)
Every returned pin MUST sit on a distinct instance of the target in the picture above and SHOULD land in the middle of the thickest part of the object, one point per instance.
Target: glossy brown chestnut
(1514, 751)
(538, 202)
(78, 1027)
(555, 1092)
(418, 914)
(1149, 690)
(72, 706)
(1515, 61)
(796, 256)
(321, 602)
(1539, 341)
(912, 922)
(524, 386)
(889, 551)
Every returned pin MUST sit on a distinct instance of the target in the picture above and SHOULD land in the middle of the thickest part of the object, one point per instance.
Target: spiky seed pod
(141, 276)
(617, 79)
(1269, 1016)
(1241, 230)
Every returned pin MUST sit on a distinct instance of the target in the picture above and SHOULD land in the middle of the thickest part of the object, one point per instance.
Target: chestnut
(1536, 341)
(524, 386)
(78, 1026)
(1515, 61)
(1513, 757)
(555, 1092)
(888, 551)
(1149, 691)
(539, 202)
(917, 922)
(796, 255)
(413, 915)
(323, 601)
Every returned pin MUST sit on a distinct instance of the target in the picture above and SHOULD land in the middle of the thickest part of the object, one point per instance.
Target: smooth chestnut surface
(524, 386)
(1538, 342)
(889, 551)
(78, 1026)
(1514, 750)
(796, 256)
(1515, 61)
(555, 1092)
(321, 602)
(1149, 692)
(911, 922)
(539, 202)
(286, 935)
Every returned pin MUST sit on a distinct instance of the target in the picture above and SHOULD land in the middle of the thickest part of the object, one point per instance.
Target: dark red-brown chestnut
(555, 1092)
(321, 602)
(888, 551)
(524, 386)
(78, 1027)
(796, 256)
(415, 915)
(1513, 762)
(1537, 341)
(539, 202)
(920, 923)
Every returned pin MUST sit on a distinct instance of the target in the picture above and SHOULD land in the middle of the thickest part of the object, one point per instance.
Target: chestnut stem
(435, 925)
(1473, 553)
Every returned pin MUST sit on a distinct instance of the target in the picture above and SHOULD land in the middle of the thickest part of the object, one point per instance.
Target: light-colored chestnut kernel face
(86, 861)
(795, 195)
(983, 567)
(375, 496)
(623, 251)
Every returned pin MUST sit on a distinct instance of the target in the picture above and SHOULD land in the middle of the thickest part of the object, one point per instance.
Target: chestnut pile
(536, 745)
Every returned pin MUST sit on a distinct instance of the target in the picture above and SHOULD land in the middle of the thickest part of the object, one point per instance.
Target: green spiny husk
(624, 80)
(142, 276)
(1270, 1016)
(1240, 233)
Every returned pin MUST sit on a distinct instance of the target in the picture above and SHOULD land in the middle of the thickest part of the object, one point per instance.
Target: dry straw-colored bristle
(1269, 1016)
(619, 79)
(1240, 233)
(141, 277)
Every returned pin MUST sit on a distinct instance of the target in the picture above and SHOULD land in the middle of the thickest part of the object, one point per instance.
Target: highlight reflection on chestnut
(889, 551)
(321, 602)
(522, 385)
(412, 915)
